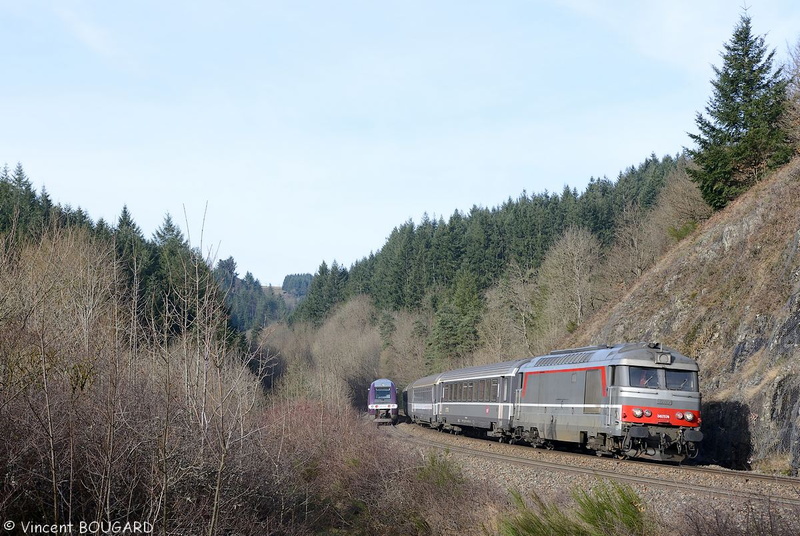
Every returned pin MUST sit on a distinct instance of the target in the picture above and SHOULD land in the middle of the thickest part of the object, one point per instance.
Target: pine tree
(742, 137)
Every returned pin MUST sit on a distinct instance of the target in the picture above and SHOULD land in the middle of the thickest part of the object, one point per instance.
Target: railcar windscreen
(383, 393)
(681, 380)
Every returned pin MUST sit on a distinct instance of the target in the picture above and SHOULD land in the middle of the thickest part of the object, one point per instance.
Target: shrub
(608, 509)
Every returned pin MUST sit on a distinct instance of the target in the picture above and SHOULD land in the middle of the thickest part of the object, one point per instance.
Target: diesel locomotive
(637, 400)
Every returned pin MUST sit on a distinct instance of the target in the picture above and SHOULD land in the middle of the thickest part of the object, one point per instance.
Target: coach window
(493, 390)
(481, 390)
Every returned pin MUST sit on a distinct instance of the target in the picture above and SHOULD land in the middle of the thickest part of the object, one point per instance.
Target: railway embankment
(680, 496)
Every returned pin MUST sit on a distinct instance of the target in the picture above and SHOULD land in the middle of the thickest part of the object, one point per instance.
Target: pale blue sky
(311, 128)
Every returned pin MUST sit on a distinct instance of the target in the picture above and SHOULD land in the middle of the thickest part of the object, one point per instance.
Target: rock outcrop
(729, 295)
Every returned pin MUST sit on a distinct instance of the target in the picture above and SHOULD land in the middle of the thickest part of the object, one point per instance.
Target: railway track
(713, 482)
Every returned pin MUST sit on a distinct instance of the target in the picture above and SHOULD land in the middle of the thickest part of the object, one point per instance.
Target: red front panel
(663, 416)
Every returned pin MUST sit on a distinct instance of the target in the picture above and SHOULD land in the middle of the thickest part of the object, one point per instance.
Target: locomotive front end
(658, 400)
(382, 401)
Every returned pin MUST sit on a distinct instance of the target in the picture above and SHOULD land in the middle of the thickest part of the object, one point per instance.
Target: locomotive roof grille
(569, 359)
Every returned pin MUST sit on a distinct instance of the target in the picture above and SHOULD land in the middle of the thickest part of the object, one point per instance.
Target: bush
(609, 509)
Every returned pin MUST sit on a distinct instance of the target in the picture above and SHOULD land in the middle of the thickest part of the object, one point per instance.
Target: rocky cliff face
(729, 295)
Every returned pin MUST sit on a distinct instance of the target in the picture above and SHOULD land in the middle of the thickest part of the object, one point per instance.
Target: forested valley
(494, 284)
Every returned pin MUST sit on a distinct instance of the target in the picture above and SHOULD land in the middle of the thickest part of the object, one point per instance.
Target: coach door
(609, 408)
(437, 392)
(593, 392)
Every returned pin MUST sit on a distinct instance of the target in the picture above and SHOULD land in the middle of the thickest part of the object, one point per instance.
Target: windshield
(383, 393)
(643, 377)
(653, 378)
(682, 380)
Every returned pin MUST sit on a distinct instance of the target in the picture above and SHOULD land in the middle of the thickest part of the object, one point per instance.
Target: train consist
(382, 401)
(630, 400)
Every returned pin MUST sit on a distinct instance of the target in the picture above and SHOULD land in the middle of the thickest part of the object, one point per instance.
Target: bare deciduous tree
(568, 274)
(507, 329)
(680, 205)
(403, 359)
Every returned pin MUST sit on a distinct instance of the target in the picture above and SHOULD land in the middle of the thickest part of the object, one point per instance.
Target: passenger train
(382, 401)
(629, 400)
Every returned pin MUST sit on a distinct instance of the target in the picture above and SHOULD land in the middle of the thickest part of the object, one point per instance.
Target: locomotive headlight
(689, 416)
(678, 415)
(637, 412)
(648, 413)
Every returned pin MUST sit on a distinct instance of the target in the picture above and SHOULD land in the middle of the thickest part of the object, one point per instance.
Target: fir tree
(133, 252)
(169, 233)
(226, 274)
(741, 138)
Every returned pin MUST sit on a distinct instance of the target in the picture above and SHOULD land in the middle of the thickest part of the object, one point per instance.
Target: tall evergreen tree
(742, 136)
(24, 205)
(169, 233)
(133, 252)
(173, 277)
(49, 212)
(226, 274)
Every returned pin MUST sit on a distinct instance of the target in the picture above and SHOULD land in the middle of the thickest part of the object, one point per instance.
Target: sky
(285, 134)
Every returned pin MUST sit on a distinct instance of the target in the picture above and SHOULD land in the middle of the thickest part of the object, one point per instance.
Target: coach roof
(427, 381)
(507, 368)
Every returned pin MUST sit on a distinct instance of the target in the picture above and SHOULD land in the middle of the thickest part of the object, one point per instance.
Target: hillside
(729, 295)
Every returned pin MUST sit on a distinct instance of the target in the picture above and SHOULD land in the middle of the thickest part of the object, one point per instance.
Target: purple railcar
(382, 401)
